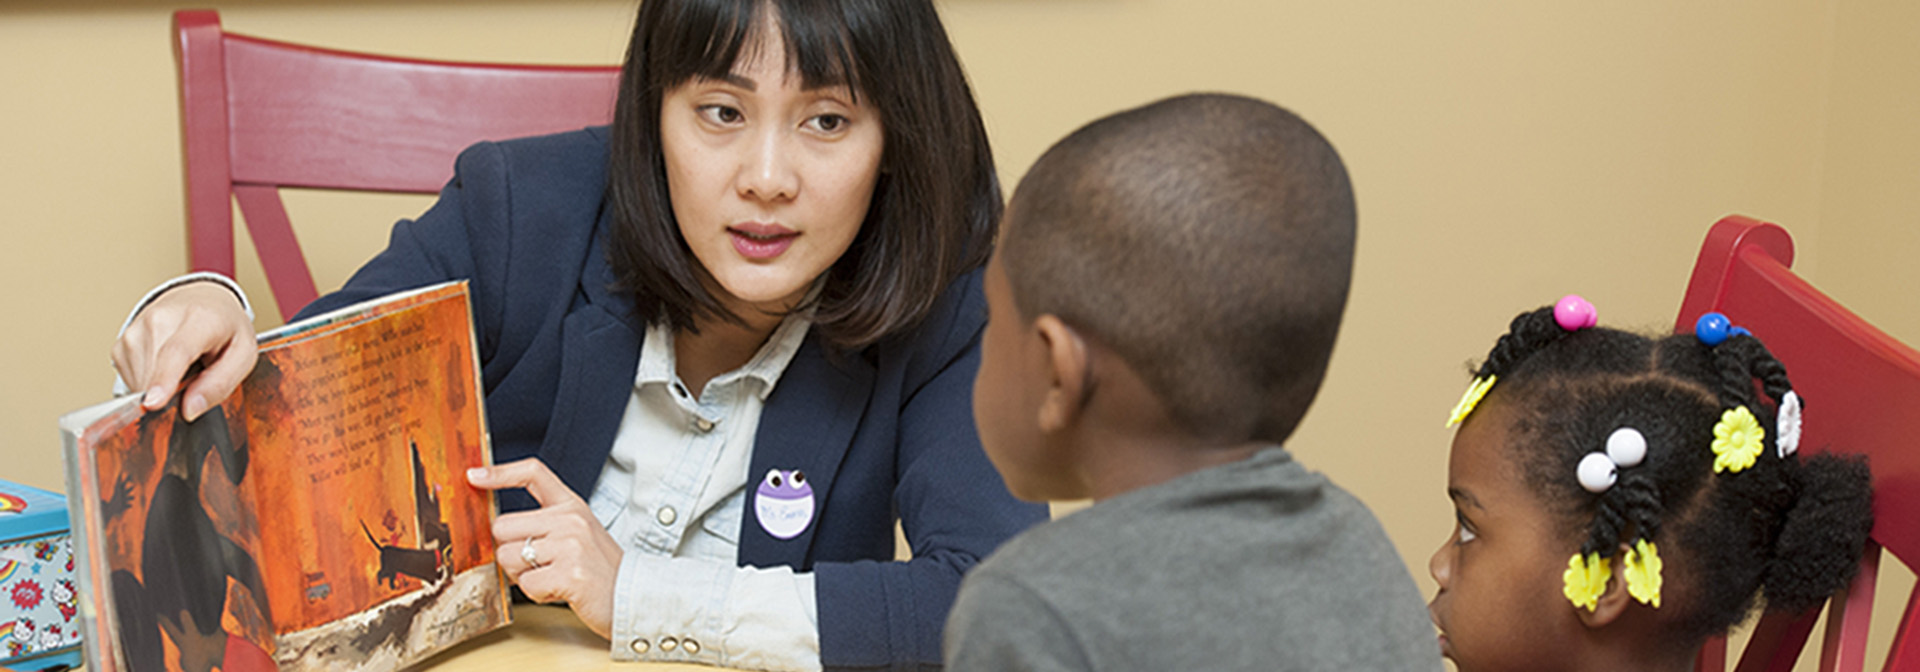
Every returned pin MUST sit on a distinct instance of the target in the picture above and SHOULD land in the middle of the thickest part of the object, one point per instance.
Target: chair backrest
(257, 115)
(1862, 392)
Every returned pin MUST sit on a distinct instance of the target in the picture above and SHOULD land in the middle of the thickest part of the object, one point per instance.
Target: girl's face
(769, 180)
(1500, 605)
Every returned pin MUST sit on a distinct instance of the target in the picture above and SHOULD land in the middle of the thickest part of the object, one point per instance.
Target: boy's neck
(1128, 440)
(1134, 462)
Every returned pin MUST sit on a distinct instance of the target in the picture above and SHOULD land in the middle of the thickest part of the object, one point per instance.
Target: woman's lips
(761, 242)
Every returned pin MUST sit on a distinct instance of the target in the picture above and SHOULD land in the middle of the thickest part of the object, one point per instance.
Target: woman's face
(769, 180)
(1500, 605)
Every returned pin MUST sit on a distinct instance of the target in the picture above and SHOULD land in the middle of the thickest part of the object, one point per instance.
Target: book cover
(318, 519)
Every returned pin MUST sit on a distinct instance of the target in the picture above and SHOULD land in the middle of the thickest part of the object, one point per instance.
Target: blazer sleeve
(517, 221)
(953, 507)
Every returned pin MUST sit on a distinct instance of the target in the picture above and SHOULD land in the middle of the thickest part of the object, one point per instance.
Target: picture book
(319, 518)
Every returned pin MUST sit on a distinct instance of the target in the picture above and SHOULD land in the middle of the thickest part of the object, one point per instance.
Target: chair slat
(257, 115)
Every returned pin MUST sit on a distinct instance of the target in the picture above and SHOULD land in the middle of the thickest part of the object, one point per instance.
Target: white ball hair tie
(1626, 447)
(1787, 439)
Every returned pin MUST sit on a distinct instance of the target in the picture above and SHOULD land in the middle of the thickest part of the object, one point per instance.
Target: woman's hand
(577, 562)
(195, 322)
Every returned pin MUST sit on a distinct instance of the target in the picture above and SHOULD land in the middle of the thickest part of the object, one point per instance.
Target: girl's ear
(1068, 368)
(1612, 603)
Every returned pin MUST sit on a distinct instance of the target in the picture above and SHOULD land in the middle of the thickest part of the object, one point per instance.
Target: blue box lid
(27, 511)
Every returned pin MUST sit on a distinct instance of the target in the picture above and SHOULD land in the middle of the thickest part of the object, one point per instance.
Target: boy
(1163, 302)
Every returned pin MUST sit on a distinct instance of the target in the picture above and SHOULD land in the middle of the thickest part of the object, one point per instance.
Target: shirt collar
(657, 363)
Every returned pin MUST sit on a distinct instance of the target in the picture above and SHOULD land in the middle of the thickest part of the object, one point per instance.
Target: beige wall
(1504, 153)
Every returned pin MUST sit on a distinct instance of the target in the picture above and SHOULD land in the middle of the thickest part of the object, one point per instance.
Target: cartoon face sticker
(784, 503)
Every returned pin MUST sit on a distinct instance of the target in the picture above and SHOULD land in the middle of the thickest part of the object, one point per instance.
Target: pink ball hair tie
(1574, 313)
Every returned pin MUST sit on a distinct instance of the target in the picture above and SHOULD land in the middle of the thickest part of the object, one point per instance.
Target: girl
(736, 331)
(1622, 498)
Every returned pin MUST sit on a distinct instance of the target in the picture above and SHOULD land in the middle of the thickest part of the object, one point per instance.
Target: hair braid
(1736, 380)
(1640, 496)
(1632, 504)
(1609, 521)
(1528, 332)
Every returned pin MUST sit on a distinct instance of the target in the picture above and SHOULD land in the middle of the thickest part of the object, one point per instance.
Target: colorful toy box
(39, 619)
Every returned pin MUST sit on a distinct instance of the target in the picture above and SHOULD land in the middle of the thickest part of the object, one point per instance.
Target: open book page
(374, 416)
(318, 519)
(169, 540)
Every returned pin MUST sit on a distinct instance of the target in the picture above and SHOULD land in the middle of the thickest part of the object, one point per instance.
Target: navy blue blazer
(885, 430)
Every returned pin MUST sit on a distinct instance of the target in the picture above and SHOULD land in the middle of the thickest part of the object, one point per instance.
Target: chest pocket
(722, 524)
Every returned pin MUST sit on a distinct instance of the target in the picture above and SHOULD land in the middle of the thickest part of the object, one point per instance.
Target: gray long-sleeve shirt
(1255, 565)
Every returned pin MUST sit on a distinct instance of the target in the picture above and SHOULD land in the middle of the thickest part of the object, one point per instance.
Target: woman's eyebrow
(735, 79)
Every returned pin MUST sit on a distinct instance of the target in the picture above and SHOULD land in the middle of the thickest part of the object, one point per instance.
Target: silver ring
(527, 554)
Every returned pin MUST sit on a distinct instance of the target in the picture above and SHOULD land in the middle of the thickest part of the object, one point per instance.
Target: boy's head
(1205, 242)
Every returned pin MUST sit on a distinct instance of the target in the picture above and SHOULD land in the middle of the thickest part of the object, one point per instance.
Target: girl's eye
(1466, 530)
(828, 123)
(720, 114)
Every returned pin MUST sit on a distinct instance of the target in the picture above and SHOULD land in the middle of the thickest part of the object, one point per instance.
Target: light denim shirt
(672, 495)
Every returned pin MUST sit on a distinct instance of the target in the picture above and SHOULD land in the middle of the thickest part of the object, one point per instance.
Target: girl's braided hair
(1788, 530)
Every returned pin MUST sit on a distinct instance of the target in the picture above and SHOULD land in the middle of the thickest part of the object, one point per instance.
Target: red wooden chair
(1863, 396)
(257, 115)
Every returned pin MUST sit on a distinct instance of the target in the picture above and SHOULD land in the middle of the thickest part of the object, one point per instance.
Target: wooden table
(544, 638)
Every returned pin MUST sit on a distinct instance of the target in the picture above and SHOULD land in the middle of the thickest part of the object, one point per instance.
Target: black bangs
(706, 38)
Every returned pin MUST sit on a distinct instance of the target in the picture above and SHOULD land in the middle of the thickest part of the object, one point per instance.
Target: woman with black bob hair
(736, 333)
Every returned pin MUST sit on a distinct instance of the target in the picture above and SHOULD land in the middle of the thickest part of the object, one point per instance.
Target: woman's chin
(768, 294)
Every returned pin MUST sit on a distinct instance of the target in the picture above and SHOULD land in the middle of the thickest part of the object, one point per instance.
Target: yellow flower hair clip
(1586, 579)
(1737, 440)
(1641, 569)
(1471, 399)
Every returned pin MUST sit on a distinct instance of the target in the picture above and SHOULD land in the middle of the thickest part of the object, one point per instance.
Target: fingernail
(476, 475)
(194, 406)
(153, 398)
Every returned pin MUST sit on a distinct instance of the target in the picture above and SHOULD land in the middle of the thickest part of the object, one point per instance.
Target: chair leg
(1713, 656)
(1845, 648)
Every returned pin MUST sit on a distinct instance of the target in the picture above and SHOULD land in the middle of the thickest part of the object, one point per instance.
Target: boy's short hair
(1207, 240)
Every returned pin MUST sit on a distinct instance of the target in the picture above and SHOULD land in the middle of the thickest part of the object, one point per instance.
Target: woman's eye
(828, 123)
(720, 114)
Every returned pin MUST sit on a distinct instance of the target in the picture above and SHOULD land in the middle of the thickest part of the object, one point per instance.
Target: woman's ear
(1069, 374)
(1613, 602)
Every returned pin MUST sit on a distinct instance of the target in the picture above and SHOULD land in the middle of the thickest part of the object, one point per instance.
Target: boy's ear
(1069, 379)
(1613, 603)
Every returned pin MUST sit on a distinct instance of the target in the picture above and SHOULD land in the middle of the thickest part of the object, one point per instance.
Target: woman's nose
(767, 172)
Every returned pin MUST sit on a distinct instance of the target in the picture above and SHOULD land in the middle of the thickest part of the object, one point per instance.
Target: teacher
(726, 343)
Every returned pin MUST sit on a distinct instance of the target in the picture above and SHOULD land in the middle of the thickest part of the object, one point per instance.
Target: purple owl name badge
(784, 503)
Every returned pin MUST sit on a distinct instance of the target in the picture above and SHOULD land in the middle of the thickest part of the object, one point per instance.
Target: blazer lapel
(807, 425)
(601, 351)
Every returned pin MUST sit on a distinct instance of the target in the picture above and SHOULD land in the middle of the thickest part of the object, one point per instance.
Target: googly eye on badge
(784, 503)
